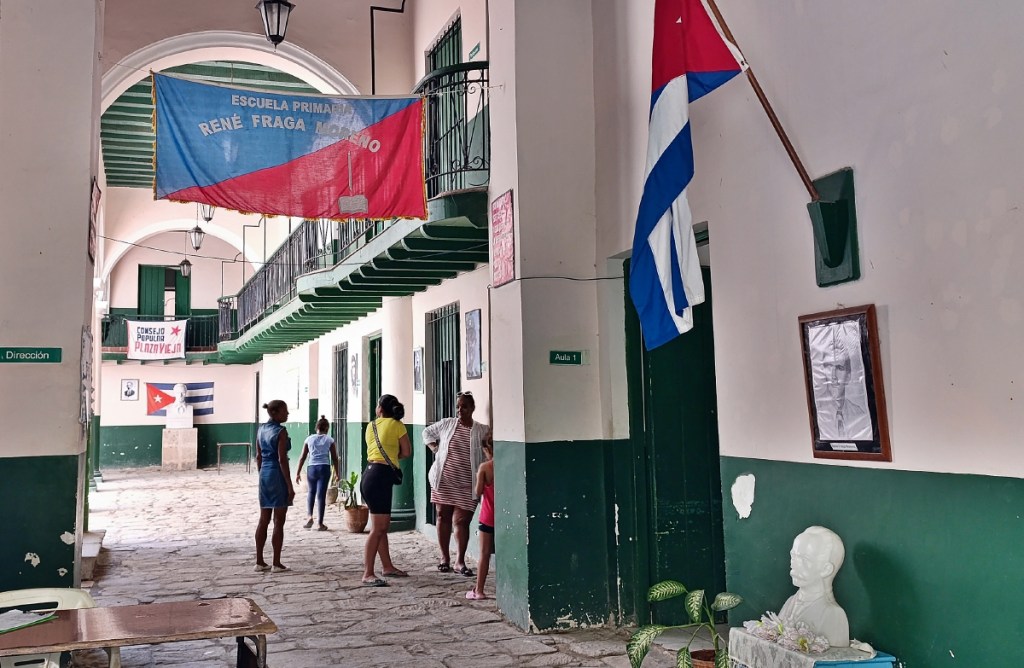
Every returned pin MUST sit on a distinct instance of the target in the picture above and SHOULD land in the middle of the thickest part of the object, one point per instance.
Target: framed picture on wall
(474, 366)
(417, 369)
(94, 212)
(843, 378)
(129, 389)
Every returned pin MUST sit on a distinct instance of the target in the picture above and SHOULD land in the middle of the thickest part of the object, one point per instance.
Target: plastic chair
(46, 600)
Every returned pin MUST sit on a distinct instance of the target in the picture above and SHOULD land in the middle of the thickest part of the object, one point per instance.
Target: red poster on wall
(503, 240)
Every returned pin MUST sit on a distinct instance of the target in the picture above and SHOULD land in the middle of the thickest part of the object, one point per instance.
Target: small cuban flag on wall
(198, 395)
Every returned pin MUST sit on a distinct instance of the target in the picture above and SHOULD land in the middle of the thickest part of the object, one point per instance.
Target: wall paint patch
(743, 495)
(62, 572)
(68, 538)
(32, 558)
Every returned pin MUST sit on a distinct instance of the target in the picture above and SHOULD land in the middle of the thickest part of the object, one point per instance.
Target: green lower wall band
(40, 495)
(933, 569)
(135, 446)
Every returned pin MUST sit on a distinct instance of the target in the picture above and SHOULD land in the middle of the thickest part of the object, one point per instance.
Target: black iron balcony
(458, 150)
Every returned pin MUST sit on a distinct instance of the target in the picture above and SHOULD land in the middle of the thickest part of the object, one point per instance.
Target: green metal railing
(201, 332)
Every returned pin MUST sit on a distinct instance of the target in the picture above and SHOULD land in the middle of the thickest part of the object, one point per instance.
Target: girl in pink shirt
(485, 491)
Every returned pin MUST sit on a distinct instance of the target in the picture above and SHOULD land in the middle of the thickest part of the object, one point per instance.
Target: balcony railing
(458, 131)
(201, 333)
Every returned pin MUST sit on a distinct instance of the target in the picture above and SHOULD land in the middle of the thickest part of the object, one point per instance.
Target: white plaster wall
(234, 389)
(557, 218)
(338, 31)
(285, 376)
(48, 115)
(470, 291)
(167, 249)
(431, 17)
(506, 372)
(393, 323)
(924, 111)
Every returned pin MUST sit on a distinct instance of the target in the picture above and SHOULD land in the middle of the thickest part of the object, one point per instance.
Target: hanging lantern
(206, 211)
(196, 236)
(185, 267)
(275, 15)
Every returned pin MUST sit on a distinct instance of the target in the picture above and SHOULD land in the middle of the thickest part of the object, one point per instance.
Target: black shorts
(486, 528)
(377, 487)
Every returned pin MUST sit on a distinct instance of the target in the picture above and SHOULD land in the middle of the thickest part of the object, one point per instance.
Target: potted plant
(356, 514)
(702, 616)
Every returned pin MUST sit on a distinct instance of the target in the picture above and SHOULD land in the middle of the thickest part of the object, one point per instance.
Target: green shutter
(151, 290)
(182, 294)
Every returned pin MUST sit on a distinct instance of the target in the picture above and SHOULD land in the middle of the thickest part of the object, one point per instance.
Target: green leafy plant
(702, 616)
(348, 490)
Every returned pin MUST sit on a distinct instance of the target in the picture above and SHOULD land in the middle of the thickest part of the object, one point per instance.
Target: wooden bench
(153, 624)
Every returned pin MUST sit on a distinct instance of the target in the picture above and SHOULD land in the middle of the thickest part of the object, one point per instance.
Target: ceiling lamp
(185, 267)
(196, 236)
(275, 18)
(206, 211)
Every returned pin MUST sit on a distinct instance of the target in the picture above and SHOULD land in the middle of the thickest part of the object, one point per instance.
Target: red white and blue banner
(197, 395)
(310, 156)
(691, 57)
(156, 340)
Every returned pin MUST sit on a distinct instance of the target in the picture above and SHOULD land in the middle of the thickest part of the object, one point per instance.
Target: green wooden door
(182, 295)
(682, 476)
(151, 289)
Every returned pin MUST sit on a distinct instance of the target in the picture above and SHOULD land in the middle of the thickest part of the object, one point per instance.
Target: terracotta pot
(356, 518)
(703, 658)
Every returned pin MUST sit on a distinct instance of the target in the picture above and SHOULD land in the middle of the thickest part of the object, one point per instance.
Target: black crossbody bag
(395, 471)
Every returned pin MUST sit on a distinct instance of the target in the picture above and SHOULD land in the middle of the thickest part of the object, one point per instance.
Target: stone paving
(186, 535)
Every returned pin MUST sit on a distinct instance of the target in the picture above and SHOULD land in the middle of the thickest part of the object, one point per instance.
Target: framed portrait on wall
(129, 389)
(417, 369)
(843, 378)
(474, 364)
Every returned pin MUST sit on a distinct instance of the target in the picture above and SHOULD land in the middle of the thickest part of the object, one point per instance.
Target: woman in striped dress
(457, 445)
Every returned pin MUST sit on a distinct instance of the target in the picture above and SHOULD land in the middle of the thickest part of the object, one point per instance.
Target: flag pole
(763, 99)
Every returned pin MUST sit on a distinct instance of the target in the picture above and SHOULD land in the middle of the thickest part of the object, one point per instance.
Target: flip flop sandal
(395, 574)
(465, 570)
(473, 596)
(308, 524)
(280, 569)
(444, 568)
(376, 582)
(261, 568)
(322, 527)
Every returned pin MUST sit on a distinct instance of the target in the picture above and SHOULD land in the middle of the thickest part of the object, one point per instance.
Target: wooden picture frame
(843, 379)
(130, 389)
(417, 369)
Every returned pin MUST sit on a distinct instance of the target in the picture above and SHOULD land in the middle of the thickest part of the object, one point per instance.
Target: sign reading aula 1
(567, 357)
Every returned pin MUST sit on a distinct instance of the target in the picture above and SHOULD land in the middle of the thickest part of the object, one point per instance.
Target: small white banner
(159, 340)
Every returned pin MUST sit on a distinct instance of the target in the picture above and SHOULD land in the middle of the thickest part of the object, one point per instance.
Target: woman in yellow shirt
(385, 435)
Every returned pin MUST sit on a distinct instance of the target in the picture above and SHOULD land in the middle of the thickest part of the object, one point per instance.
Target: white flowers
(791, 635)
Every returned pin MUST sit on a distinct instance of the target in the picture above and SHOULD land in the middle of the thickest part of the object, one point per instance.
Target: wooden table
(97, 628)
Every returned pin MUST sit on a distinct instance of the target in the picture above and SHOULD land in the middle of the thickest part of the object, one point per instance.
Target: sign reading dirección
(30, 355)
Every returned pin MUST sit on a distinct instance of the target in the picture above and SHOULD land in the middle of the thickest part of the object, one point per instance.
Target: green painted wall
(933, 570)
(555, 533)
(133, 446)
(40, 495)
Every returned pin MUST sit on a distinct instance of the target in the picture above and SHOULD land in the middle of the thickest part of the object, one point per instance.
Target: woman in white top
(321, 451)
(457, 446)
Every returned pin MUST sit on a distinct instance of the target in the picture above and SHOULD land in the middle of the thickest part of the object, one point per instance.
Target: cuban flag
(310, 156)
(197, 395)
(691, 57)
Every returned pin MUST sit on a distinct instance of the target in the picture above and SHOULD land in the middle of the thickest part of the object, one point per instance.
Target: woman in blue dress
(276, 491)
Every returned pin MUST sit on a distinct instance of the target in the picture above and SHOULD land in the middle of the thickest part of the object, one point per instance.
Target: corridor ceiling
(126, 127)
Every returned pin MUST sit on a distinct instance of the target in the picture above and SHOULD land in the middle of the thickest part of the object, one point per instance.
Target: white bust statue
(179, 413)
(815, 559)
